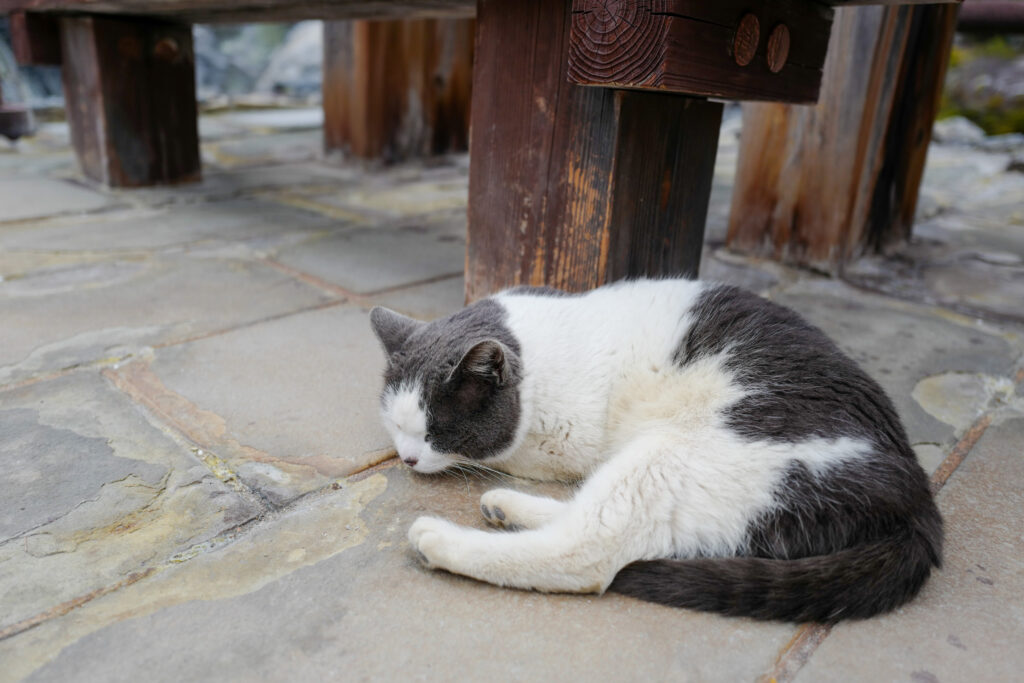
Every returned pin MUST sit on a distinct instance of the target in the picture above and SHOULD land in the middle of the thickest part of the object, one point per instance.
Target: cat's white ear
(490, 360)
(392, 329)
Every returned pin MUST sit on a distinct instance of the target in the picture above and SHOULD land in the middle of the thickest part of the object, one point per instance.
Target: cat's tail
(855, 583)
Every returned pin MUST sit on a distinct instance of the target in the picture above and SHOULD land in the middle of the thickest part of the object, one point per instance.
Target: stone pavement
(195, 485)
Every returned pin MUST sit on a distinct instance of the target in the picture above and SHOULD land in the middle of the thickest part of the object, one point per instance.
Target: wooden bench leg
(821, 185)
(129, 88)
(576, 186)
(397, 89)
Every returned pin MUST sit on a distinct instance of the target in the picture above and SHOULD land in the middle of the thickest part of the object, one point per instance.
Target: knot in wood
(748, 33)
(615, 40)
(778, 48)
(166, 49)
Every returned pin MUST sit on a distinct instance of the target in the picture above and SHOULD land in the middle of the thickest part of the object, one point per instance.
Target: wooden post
(129, 88)
(35, 38)
(576, 186)
(397, 89)
(821, 185)
(15, 119)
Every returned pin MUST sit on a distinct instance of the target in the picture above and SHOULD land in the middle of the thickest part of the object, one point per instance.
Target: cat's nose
(410, 461)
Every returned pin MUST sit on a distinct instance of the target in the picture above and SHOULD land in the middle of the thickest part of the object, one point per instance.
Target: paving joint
(65, 607)
(365, 299)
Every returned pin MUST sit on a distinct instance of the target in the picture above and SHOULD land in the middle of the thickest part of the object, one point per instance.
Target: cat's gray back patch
(799, 383)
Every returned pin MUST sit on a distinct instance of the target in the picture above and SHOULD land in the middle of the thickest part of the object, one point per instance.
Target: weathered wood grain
(210, 11)
(397, 89)
(129, 88)
(35, 38)
(718, 49)
(574, 186)
(820, 185)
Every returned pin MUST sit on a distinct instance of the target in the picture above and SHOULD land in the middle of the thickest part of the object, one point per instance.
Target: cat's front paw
(513, 511)
(493, 505)
(433, 539)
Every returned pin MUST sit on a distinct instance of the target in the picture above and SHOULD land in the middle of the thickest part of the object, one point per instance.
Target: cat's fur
(732, 458)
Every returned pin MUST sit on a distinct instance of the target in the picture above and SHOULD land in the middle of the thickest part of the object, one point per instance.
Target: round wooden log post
(820, 185)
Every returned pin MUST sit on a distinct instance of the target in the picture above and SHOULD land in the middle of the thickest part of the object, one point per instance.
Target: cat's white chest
(558, 449)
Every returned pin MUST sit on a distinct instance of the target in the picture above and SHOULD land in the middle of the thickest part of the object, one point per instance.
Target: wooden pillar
(576, 186)
(129, 89)
(35, 38)
(821, 185)
(397, 89)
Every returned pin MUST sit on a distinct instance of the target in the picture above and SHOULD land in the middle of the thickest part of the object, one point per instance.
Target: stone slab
(61, 318)
(239, 181)
(901, 345)
(275, 148)
(20, 163)
(236, 220)
(363, 609)
(267, 120)
(968, 623)
(371, 259)
(427, 302)
(23, 198)
(412, 189)
(290, 405)
(93, 492)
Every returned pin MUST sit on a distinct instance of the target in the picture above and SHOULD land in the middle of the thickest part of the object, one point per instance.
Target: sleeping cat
(732, 458)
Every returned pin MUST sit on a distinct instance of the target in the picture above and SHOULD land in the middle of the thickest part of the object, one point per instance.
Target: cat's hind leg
(514, 510)
(621, 514)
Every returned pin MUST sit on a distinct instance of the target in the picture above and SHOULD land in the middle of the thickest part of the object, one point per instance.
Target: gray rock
(295, 66)
(957, 130)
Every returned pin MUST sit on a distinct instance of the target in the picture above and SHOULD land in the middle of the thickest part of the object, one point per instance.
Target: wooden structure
(397, 89)
(571, 183)
(820, 185)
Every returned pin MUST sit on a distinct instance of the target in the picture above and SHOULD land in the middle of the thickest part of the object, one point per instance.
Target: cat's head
(451, 388)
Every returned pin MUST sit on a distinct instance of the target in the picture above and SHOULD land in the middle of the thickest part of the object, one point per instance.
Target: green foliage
(966, 95)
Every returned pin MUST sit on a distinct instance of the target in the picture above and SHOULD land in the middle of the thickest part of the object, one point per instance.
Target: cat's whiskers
(481, 470)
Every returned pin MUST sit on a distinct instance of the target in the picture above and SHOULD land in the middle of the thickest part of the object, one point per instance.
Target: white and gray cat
(732, 458)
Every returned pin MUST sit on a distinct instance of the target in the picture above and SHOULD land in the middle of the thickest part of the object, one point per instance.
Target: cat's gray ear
(392, 329)
(490, 360)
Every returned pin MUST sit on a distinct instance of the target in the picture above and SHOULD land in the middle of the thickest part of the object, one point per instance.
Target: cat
(730, 457)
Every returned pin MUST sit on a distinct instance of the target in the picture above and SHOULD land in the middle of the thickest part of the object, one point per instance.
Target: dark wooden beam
(211, 11)
(35, 38)
(734, 49)
(129, 87)
(991, 16)
(397, 89)
(821, 185)
(572, 186)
